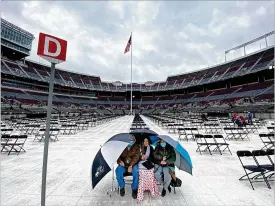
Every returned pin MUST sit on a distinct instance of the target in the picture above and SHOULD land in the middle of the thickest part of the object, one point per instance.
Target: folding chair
(201, 142)
(194, 131)
(268, 140)
(128, 179)
(271, 129)
(210, 140)
(63, 129)
(228, 132)
(270, 152)
(188, 133)
(252, 167)
(53, 133)
(39, 135)
(267, 166)
(15, 143)
(221, 142)
(171, 128)
(243, 134)
(181, 131)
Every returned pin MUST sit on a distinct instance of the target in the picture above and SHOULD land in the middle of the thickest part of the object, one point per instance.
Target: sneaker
(134, 194)
(163, 193)
(122, 192)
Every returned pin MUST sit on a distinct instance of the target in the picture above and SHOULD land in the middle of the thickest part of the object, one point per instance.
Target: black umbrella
(144, 131)
(99, 168)
(141, 134)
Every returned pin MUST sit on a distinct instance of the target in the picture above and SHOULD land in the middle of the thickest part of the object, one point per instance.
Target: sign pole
(131, 110)
(47, 136)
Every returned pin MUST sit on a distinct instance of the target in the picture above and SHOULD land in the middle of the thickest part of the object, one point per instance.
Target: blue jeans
(120, 179)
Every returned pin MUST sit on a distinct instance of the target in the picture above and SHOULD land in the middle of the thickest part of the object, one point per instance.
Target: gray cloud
(168, 37)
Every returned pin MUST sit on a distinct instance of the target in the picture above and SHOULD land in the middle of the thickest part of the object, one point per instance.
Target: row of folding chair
(258, 166)
(212, 128)
(82, 126)
(30, 129)
(7, 131)
(236, 133)
(67, 129)
(187, 133)
(173, 127)
(13, 143)
(211, 143)
(54, 132)
(251, 128)
(271, 129)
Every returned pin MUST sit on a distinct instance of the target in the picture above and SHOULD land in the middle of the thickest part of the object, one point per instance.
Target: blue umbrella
(107, 156)
(183, 160)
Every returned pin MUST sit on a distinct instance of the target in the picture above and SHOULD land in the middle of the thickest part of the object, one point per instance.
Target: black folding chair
(211, 142)
(268, 165)
(268, 140)
(205, 141)
(252, 167)
(221, 142)
(14, 143)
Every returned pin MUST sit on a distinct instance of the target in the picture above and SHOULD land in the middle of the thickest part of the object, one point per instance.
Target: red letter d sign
(52, 48)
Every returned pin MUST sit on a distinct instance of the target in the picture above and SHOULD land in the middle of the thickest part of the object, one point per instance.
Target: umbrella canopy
(107, 156)
(140, 134)
(144, 131)
(183, 160)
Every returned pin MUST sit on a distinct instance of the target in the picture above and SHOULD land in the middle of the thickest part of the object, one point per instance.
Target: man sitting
(127, 162)
(164, 158)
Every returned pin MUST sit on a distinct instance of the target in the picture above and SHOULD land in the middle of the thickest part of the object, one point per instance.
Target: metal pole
(131, 110)
(47, 136)
(266, 42)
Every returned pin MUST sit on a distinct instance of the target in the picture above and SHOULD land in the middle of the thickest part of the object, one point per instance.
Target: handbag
(176, 183)
(148, 164)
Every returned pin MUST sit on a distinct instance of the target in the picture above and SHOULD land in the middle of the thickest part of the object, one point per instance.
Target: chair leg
(266, 181)
(247, 175)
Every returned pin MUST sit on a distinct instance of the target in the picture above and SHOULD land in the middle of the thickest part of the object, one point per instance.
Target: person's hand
(163, 162)
(143, 157)
(121, 164)
(130, 169)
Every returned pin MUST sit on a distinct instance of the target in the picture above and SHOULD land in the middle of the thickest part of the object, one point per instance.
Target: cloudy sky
(168, 37)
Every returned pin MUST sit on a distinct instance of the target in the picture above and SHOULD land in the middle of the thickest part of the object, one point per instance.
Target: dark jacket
(130, 156)
(167, 151)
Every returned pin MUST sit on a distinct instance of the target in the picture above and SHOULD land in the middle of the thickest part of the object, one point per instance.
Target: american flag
(128, 45)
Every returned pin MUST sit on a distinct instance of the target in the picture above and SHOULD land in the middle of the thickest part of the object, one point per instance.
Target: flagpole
(131, 110)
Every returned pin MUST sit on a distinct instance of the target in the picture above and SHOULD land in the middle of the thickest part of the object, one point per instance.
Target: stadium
(189, 107)
(237, 86)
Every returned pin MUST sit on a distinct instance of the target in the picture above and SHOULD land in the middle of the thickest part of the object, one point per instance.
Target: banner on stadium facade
(51, 48)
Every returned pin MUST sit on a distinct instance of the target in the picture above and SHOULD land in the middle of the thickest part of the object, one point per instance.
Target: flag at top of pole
(128, 45)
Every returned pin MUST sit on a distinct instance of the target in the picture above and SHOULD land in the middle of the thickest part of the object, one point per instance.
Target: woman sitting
(147, 179)
(145, 151)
